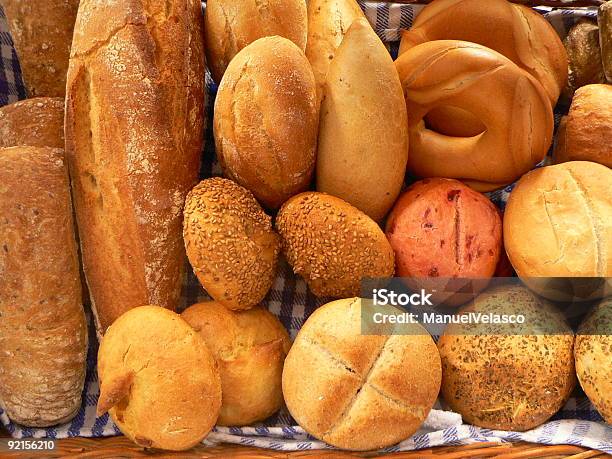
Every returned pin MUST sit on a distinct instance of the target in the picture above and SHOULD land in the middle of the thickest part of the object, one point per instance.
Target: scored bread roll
(42, 33)
(328, 22)
(35, 122)
(266, 120)
(230, 243)
(43, 332)
(250, 348)
(158, 380)
(134, 121)
(519, 126)
(230, 25)
(363, 162)
(356, 391)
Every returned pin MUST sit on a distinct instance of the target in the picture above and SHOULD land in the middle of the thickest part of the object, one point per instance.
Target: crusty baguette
(42, 32)
(43, 333)
(35, 122)
(134, 120)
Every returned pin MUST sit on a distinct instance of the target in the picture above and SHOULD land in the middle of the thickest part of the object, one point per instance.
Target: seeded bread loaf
(134, 120)
(35, 122)
(43, 333)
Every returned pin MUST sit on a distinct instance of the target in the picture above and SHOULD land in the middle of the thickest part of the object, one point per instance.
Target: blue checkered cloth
(577, 423)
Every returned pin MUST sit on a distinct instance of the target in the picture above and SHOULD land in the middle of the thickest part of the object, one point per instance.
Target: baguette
(35, 122)
(43, 332)
(134, 121)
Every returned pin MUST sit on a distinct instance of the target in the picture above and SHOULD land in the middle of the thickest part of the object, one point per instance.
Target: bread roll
(266, 120)
(358, 160)
(158, 380)
(584, 135)
(34, 122)
(230, 243)
(604, 21)
(354, 391)
(584, 57)
(134, 121)
(43, 333)
(332, 244)
(42, 33)
(593, 352)
(468, 76)
(250, 349)
(508, 376)
(230, 25)
(328, 21)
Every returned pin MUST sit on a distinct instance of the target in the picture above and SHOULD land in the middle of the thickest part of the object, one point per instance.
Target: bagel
(519, 125)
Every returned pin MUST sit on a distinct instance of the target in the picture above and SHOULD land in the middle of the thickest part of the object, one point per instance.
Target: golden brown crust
(355, 391)
(332, 244)
(363, 131)
(35, 122)
(266, 120)
(230, 243)
(250, 348)
(161, 380)
(134, 120)
(230, 25)
(508, 377)
(42, 33)
(43, 333)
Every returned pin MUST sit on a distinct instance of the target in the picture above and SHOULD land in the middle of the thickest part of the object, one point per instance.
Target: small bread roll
(332, 244)
(355, 391)
(33, 122)
(250, 349)
(584, 57)
(593, 353)
(358, 160)
(230, 25)
(266, 120)
(158, 380)
(509, 376)
(230, 243)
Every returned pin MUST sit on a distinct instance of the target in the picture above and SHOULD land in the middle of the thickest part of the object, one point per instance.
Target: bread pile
(317, 132)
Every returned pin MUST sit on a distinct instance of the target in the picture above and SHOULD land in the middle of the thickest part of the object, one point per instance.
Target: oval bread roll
(230, 25)
(332, 244)
(266, 120)
(35, 122)
(359, 392)
(230, 243)
(250, 349)
(363, 131)
(158, 380)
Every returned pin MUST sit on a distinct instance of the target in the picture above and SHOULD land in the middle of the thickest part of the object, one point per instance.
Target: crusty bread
(358, 391)
(584, 134)
(266, 120)
(332, 244)
(328, 21)
(42, 33)
(43, 333)
(250, 349)
(230, 243)
(134, 120)
(230, 25)
(35, 122)
(519, 125)
(363, 131)
(158, 380)
(584, 57)
(511, 376)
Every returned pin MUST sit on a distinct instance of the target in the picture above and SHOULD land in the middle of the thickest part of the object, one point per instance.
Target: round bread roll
(584, 57)
(558, 224)
(521, 34)
(359, 392)
(468, 76)
(359, 161)
(593, 353)
(250, 349)
(332, 244)
(230, 243)
(508, 376)
(37, 122)
(266, 120)
(230, 25)
(158, 380)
